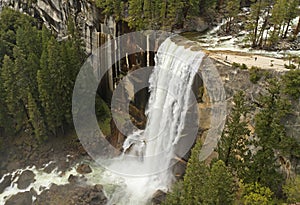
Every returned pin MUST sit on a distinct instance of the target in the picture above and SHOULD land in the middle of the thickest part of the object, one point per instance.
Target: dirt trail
(249, 59)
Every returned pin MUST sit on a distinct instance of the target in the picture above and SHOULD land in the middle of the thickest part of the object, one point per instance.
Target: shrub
(236, 65)
(292, 190)
(240, 66)
(255, 74)
(256, 194)
(243, 66)
(291, 82)
(290, 66)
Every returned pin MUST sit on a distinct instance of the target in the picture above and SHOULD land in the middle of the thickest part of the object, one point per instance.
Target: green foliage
(244, 66)
(220, 187)
(232, 9)
(233, 147)
(111, 7)
(195, 177)
(271, 137)
(37, 76)
(103, 115)
(36, 119)
(290, 66)
(202, 185)
(291, 83)
(255, 74)
(256, 194)
(292, 190)
(176, 196)
(240, 66)
(235, 65)
(191, 190)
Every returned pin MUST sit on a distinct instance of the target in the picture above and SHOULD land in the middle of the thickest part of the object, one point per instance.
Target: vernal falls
(147, 162)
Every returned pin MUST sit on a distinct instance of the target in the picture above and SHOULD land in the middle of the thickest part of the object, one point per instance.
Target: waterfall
(148, 154)
(146, 164)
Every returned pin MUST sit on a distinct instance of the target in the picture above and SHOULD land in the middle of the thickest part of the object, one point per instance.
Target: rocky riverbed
(33, 173)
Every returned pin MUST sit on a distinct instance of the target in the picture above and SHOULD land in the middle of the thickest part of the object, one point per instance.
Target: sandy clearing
(249, 59)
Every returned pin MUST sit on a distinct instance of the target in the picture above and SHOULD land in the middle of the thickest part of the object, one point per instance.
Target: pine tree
(232, 10)
(36, 119)
(195, 177)
(277, 20)
(233, 147)
(260, 12)
(5, 119)
(49, 79)
(136, 15)
(220, 187)
(271, 137)
(13, 100)
(190, 191)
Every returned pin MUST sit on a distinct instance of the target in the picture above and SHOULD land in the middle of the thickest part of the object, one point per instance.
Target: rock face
(25, 179)
(20, 198)
(56, 14)
(5, 183)
(71, 194)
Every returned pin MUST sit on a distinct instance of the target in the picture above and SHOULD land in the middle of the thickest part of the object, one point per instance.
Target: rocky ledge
(69, 194)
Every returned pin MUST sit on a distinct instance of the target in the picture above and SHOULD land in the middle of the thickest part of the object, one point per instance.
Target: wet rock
(84, 169)
(25, 179)
(158, 197)
(72, 194)
(48, 169)
(76, 179)
(13, 165)
(23, 198)
(5, 183)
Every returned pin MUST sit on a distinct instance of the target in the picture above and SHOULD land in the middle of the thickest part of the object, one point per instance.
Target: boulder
(158, 197)
(84, 169)
(72, 194)
(5, 183)
(25, 179)
(24, 198)
(76, 179)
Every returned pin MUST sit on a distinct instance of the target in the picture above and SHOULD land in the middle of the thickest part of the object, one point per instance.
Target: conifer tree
(271, 138)
(36, 119)
(195, 178)
(13, 100)
(233, 147)
(220, 187)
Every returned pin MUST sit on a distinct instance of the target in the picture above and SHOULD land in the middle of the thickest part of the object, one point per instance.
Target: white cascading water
(148, 153)
(170, 85)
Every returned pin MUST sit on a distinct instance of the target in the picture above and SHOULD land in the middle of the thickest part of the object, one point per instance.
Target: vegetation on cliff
(266, 22)
(37, 76)
(260, 161)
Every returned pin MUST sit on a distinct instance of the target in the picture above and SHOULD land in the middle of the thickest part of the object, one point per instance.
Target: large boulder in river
(25, 179)
(72, 194)
(84, 169)
(23, 198)
(5, 183)
(158, 197)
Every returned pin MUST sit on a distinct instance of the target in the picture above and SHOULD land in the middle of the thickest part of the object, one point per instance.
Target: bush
(292, 190)
(256, 194)
(255, 74)
(235, 65)
(240, 66)
(291, 82)
(291, 66)
(243, 66)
